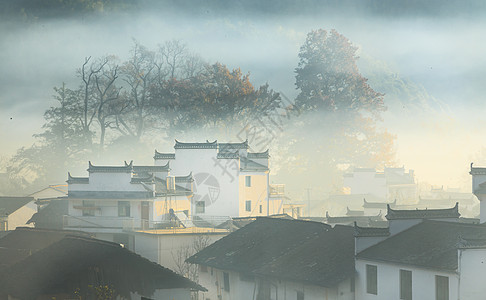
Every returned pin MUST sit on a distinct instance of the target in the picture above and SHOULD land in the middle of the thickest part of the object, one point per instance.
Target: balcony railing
(277, 189)
(133, 224)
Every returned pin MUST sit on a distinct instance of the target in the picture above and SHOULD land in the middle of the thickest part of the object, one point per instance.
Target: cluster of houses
(204, 222)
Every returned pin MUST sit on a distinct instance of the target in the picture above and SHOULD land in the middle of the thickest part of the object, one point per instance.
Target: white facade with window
(388, 282)
(241, 286)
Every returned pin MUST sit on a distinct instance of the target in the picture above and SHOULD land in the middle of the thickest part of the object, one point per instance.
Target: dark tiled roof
(258, 155)
(429, 244)
(370, 231)
(296, 250)
(393, 214)
(207, 145)
(110, 194)
(111, 169)
(184, 179)
(250, 165)
(9, 205)
(161, 188)
(151, 169)
(228, 155)
(351, 219)
(159, 155)
(325, 260)
(51, 216)
(148, 179)
(237, 223)
(76, 261)
(382, 205)
(477, 171)
(77, 180)
(231, 147)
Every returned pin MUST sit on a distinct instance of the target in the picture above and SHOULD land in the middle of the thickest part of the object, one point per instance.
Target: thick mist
(433, 66)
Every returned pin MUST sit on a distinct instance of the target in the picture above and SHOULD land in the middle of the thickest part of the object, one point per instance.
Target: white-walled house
(16, 211)
(389, 185)
(228, 180)
(429, 260)
(275, 258)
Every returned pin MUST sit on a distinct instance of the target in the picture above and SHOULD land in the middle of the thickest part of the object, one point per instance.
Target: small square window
(200, 207)
(124, 208)
(248, 205)
(248, 181)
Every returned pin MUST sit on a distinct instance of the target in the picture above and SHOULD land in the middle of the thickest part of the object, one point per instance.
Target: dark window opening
(200, 207)
(88, 208)
(371, 279)
(226, 282)
(124, 208)
(300, 295)
(441, 287)
(248, 181)
(405, 285)
(248, 205)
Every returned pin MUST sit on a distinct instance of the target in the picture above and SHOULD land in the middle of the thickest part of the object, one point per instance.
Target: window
(200, 207)
(371, 279)
(248, 205)
(405, 285)
(441, 287)
(300, 295)
(226, 282)
(247, 277)
(248, 181)
(124, 208)
(261, 209)
(88, 208)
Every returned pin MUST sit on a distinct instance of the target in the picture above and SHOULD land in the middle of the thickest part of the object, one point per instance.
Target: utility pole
(308, 201)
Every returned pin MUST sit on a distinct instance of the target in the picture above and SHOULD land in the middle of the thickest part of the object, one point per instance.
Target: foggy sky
(445, 54)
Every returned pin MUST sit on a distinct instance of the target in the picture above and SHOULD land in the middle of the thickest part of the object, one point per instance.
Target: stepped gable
(395, 214)
(150, 169)
(127, 168)
(257, 155)
(370, 231)
(77, 180)
(159, 155)
(206, 145)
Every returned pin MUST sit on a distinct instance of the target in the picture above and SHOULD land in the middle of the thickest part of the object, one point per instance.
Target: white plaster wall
(164, 248)
(20, 217)
(108, 182)
(106, 216)
(225, 171)
(472, 269)
(366, 183)
(280, 289)
(423, 282)
(215, 284)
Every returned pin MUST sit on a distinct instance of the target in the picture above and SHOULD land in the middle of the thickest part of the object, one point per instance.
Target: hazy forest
(325, 85)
